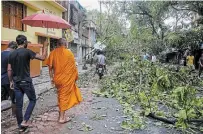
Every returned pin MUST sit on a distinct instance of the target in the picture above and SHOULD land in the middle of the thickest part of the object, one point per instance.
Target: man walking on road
(64, 74)
(20, 80)
(5, 84)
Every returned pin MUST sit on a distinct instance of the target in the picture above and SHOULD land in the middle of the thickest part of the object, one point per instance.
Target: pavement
(42, 84)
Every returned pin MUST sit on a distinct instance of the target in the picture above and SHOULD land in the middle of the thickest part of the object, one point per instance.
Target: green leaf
(182, 114)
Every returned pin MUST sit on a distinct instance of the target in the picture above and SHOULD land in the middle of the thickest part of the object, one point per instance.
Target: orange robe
(65, 75)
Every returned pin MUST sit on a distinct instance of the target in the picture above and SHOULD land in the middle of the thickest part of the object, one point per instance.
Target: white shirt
(101, 59)
(153, 58)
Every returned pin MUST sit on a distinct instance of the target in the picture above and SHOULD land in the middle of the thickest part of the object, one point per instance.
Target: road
(95, 115)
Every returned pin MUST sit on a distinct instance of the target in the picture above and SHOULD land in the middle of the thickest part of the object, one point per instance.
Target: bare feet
(65, 120)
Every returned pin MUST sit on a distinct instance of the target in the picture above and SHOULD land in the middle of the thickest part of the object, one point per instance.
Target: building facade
(12, 14)
(83, 34)
(91, 26)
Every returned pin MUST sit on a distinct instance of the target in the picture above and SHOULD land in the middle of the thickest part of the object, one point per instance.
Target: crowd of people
(188, 60)
(151, 58)
(16, 80)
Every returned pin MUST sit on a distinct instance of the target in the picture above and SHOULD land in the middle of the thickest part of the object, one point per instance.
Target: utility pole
(100, 14)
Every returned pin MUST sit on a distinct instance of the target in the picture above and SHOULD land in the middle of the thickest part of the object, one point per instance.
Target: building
(12, 14)
(92, 33)
(81, 29)
(77, 19)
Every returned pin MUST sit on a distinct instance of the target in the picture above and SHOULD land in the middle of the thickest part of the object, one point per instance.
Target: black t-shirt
(4, 65)
(20, 64)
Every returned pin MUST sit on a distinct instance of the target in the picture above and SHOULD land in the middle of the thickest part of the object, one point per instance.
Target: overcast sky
(94, 4)
(90, 4)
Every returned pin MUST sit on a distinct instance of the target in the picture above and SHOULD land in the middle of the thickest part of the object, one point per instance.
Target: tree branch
(187, 9)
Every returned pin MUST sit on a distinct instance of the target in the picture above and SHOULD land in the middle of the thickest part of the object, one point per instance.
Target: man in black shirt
(5, 84)
(20, 80)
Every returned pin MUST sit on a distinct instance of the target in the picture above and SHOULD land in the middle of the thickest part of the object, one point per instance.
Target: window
(73, 15)
(13, 13)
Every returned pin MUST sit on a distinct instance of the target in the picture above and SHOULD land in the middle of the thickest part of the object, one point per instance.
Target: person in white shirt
(153, 58)
(101, 60)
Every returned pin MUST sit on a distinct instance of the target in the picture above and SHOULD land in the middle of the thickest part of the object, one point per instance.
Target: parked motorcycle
(100, 71)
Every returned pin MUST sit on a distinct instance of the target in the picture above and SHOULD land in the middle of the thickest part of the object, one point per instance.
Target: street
(95, 115)
(146, 77)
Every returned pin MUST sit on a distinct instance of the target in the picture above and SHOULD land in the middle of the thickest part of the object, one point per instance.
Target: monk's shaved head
(62, 42)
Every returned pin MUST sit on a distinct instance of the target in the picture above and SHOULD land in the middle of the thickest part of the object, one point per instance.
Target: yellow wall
(10, 34)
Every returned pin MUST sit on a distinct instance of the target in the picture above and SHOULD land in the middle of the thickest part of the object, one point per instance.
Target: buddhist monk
(63, 74)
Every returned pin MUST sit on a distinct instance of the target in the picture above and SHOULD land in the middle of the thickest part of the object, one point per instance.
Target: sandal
(23, 129)
(24, 124)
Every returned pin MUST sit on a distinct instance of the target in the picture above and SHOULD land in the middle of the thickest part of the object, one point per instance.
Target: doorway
(41, 40)
(53, 44)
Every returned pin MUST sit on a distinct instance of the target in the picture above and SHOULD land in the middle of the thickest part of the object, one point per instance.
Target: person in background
(6, 91)
(185, 56)
(146, 56)
(200, 65)
(153, 58)
(64, 74)
(20, 80)
(101, 60)
(190, 61)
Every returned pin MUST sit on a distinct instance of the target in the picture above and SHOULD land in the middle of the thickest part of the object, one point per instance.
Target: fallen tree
(157, 91)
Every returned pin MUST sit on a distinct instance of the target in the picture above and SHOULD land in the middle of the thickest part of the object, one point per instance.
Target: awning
(45, 35)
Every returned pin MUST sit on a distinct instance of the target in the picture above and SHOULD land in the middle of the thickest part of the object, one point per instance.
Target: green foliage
(143, 88)
(192, 38)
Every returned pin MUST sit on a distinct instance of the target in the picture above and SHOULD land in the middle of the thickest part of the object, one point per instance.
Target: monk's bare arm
(44, 52)
(51, 74)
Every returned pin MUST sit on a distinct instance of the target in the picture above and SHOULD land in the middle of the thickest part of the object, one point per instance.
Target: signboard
(51, 31)
(47, 11)
(68, 35)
